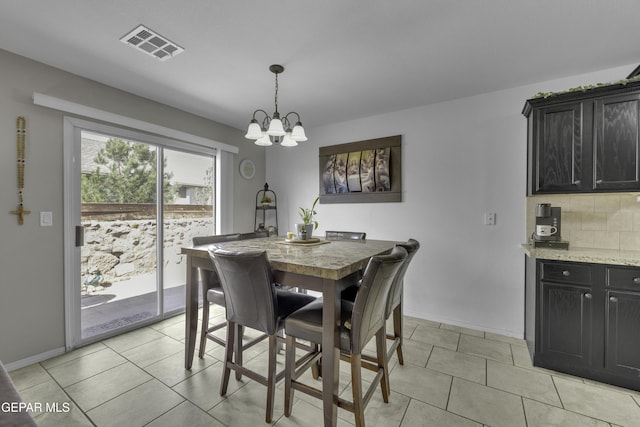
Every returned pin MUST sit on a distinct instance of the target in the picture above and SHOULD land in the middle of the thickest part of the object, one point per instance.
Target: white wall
(460, 159)
(31, 257)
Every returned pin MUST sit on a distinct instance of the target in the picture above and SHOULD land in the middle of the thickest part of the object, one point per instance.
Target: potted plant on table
(305, 230)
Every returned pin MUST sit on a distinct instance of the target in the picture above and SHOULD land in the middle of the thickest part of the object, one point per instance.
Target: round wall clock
(247, 169)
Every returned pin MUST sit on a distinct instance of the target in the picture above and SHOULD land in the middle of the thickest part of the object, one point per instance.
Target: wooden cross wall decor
(21, 211)
(21, 131)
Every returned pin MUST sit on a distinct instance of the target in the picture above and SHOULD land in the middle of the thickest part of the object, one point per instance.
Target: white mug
(546, 230)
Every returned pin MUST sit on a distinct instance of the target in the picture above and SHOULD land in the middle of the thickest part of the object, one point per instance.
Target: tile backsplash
(602, 221)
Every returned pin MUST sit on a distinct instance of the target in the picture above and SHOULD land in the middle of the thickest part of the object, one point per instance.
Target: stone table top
(333, 260)
(597, 256)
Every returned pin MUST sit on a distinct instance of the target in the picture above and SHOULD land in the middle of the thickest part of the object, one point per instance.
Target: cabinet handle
(566, 273)
(636, 280)
(613, 299)
(598, 181)
(588, 295)
(576, 182)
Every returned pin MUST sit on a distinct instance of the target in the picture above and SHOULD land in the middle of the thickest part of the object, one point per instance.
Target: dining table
(318, 265)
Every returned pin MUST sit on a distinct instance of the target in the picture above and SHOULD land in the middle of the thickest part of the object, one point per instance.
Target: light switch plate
(46, 219)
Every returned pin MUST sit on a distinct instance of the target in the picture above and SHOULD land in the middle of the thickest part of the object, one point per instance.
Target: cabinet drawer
(623, 278)
(566, 272)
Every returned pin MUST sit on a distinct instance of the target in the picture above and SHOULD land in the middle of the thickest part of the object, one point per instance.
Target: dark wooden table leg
(330, 354)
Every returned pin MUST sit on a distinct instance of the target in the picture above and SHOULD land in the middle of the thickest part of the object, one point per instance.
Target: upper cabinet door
(558, 148)
(616, 151)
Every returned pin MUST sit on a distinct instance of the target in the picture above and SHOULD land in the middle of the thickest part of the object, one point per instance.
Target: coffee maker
(547, 232)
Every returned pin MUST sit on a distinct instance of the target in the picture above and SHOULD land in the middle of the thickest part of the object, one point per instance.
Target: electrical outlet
(489, 218)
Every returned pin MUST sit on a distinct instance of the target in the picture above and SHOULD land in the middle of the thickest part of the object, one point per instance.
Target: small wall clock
(247, 169)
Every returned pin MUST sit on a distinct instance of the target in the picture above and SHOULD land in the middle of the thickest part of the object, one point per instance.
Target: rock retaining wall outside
(120, 249)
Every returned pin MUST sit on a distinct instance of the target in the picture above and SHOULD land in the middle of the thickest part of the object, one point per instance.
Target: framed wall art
(362, 172)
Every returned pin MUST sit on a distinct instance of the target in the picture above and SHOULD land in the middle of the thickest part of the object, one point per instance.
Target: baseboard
(454, 322)
(34, 359)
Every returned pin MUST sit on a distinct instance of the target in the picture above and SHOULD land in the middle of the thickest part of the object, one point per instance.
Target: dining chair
(345, 235)
(11, 411)
(254, 235)
(253, 301)
(395, 300)
(212, 292)
(360, 322)
(348, 235)
(394, 305)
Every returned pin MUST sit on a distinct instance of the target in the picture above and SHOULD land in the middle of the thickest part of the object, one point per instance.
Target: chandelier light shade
(254, 131)
(297, 134)
(264, 141)
(274, 129)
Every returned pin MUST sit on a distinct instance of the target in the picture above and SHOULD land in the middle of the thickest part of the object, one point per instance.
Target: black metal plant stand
(266, 201)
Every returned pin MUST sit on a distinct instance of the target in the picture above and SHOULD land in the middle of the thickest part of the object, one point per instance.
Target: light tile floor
(452, 377)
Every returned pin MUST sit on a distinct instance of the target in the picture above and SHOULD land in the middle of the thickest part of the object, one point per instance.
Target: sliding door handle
(79, 236)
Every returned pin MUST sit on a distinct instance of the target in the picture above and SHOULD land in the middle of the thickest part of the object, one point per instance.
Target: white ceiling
(344, 59)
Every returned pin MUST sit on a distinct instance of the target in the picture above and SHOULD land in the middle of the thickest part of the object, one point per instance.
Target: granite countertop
(332, 260)
(597, 256)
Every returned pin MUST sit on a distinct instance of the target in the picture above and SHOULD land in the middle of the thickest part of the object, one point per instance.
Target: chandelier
(276, 130)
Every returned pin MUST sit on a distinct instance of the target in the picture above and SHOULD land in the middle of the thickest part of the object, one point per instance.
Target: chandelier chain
(276, 97)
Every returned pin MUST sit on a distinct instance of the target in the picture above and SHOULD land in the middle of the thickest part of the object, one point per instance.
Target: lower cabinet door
(567, 325)
(622, 333)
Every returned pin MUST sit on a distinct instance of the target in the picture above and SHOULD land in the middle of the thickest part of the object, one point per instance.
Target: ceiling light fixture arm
(265, 120)
(286, 118)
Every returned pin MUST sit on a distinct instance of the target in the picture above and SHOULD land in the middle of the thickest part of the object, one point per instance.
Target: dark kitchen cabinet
(566, 314)
(584, 141)
(558, 152)
(583, 319)
(622, 315)
(615, 142)
(622, 333)
(567, 319)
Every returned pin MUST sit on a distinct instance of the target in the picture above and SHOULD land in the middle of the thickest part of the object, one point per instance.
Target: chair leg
(238, 348)
(397, 331)
(356, 386)
(228, 357)
(271, 376)
(316, 368)
(290, 367)
(281, 335)
(204, 327)
(381, 352)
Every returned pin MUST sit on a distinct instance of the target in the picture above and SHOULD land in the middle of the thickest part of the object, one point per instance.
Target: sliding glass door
(138, 201)
(187, 211)
(119, 193)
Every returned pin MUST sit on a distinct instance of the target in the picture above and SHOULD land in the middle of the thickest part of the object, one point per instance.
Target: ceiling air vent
(151, 43)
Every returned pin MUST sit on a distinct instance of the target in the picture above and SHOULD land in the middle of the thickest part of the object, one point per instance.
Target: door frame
(72, 128)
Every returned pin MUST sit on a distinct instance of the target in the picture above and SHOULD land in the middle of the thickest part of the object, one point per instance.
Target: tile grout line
(115, 397)
(524, 412)
(553, 378)
(167, 411)
(486, 372)
(90, 376)
(82, 411)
